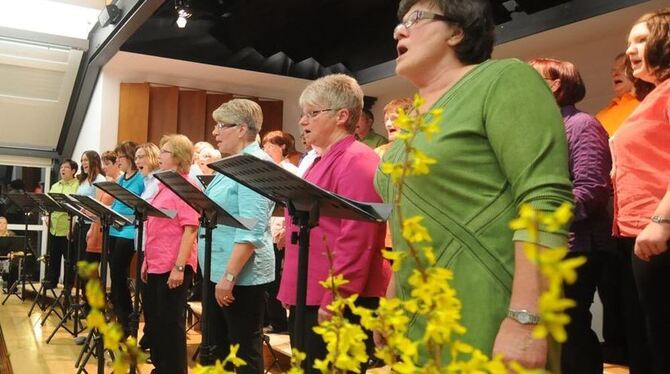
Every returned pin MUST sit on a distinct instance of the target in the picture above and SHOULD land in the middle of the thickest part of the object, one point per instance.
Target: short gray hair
(238, 111)
(335, 91)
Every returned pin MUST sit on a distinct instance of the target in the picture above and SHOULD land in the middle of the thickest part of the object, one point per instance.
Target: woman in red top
(642, 192)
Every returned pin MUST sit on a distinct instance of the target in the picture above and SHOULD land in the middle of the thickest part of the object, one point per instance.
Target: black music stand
(73, 306)
(107, 218)
(64, 300)
(142, 210)
(28, 206)
(211, 214)
(47, 206)
(305, 203)
(205, 180)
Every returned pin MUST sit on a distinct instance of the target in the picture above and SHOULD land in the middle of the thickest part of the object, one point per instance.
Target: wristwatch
(179, 268)
(660, 219)
(229, 277)
(523, 316)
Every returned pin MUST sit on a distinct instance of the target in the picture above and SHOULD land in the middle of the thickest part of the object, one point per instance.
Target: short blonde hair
(152, 151)
(209, 153)
(335, 91)
(238, 111)
(182, 150)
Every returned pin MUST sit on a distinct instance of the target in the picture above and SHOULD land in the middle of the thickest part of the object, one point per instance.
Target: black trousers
(119, 261)
(581, 353)
(240, 323)
(274, 311)
(637, 342)
(59, 252)
(610, 289)
(165, 313)
(653, 286)
(314, 346)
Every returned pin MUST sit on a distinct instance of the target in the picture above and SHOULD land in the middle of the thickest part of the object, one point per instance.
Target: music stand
(211, 214)
(47, 206)
(73, 310)
(305, 203)
(107, 218)
(143, 210)
(28, 206)
(70, 206)
(205, 180)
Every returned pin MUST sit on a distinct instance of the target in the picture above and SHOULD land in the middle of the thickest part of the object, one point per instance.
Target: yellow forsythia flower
(413, 231)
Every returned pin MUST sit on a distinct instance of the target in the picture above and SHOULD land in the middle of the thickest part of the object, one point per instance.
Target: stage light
(183, 9)
(181, 22)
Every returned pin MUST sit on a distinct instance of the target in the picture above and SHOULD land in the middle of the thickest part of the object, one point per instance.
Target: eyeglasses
(417, 16)
(315, 113)
(221, 126)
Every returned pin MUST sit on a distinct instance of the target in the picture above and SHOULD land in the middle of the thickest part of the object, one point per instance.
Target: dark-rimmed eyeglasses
(315, 113)
(417, 16)
(221, 126)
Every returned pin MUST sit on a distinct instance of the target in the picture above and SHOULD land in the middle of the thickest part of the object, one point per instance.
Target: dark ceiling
(311, 38)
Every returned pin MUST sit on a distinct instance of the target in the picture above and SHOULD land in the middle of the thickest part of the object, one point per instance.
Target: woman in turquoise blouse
(122, 240)
(242, 260)
(501, 144)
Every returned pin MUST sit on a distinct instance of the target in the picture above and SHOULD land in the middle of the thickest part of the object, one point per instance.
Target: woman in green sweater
(501, 144)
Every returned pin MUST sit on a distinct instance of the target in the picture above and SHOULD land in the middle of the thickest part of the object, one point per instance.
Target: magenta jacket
(347, 169)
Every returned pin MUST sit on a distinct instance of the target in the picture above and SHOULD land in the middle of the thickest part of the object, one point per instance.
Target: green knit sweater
(501, 143)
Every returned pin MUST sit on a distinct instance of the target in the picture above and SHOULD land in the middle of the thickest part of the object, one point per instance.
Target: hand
(224, 293)
(516, 343)
(143, 273)
(285, 306)
(378, 339)
(280, 239)
(652, 240)
(176, 279)
(324, 315)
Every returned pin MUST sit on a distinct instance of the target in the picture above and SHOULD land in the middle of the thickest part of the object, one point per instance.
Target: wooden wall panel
(273, 115)
(213, 102)
(192, 113)
(163, 109)
(134, 112)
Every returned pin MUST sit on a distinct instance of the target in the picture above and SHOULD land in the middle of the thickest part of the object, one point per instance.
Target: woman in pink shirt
(331, 107)
(169, 262)
(642, 196)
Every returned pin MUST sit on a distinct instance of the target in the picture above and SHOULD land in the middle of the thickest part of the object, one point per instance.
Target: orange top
(613, 115)
(642, 157)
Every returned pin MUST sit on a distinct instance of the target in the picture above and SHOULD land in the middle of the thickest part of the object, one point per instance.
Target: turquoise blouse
(241, 201)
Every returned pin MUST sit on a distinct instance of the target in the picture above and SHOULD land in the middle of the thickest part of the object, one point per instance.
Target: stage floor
(25, 340)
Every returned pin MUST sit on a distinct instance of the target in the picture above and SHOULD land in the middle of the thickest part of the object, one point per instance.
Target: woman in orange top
(642, 191)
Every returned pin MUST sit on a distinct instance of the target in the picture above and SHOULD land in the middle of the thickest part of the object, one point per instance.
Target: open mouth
(401, 50)
(618, 81)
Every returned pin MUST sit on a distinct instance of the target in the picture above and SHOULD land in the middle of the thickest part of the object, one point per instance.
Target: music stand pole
(206, 346)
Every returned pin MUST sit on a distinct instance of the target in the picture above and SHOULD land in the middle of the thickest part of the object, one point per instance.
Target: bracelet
(660, 219)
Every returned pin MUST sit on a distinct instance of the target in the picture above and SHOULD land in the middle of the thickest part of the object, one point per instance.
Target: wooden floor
(29, 353)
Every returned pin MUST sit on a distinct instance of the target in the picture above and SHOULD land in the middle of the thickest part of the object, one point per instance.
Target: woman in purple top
(590, 163)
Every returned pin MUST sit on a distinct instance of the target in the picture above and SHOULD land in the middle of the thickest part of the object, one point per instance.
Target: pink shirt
(641, 150)
(347, 169)
(163, 236)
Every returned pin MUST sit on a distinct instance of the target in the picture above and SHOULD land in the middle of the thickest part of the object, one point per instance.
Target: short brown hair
(392, 107)
(182, 150)
(474, 17)
(657, 51)
(279, 138)
(572, 89)
(127, 149)
(108, 156)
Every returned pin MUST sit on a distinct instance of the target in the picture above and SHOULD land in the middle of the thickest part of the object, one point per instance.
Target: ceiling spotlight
(183, 9)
